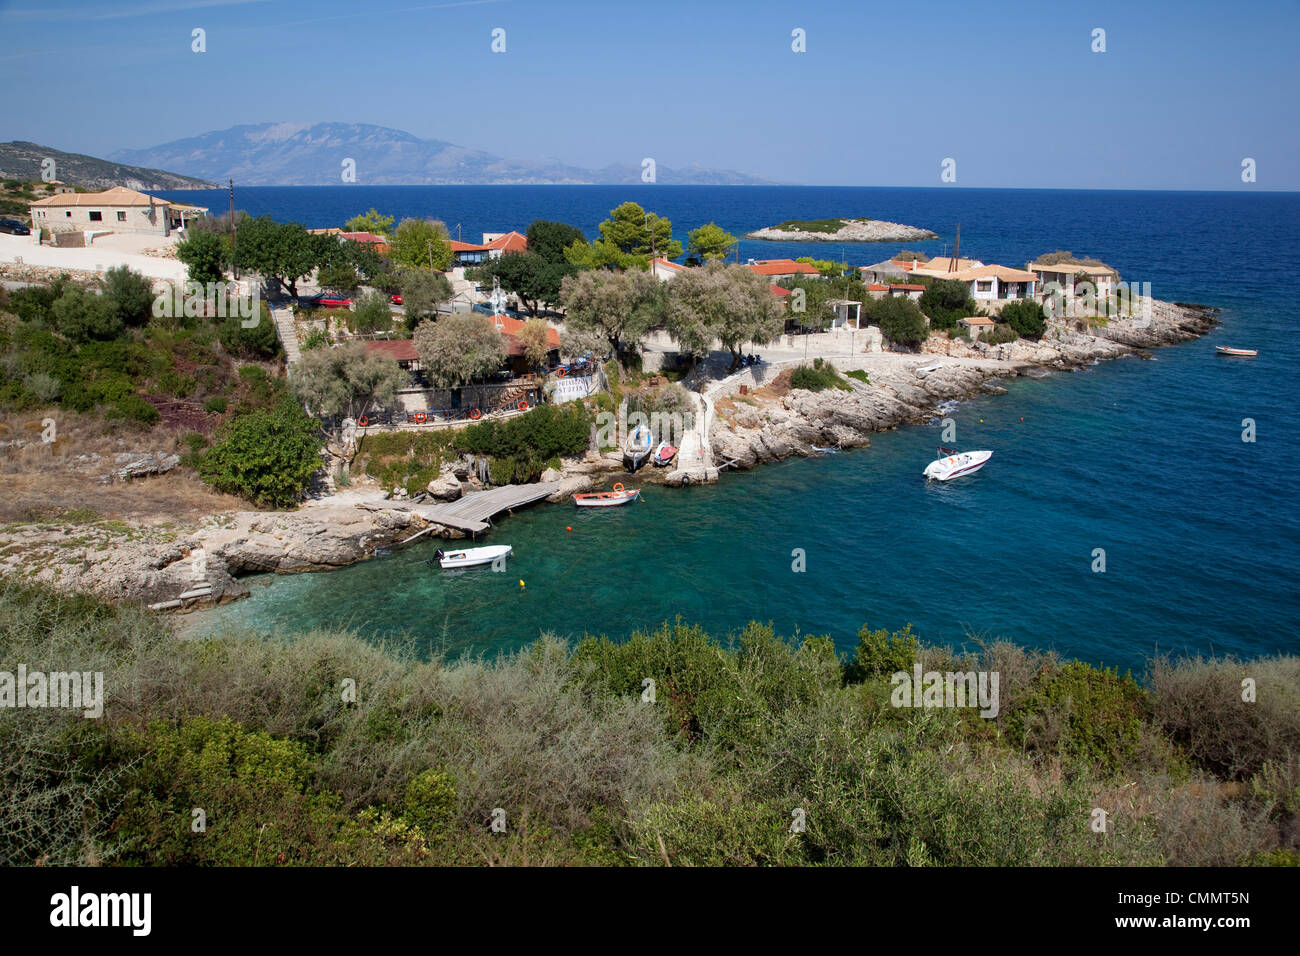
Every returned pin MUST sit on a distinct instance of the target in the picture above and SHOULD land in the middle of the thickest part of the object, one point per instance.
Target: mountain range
(314, 154)
(25, 161)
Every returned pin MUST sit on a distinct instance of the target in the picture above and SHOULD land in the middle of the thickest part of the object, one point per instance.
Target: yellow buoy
(521, 583)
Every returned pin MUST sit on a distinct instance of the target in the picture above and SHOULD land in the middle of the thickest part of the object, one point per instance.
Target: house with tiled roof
(493, 245)
(996, 282)
(663, 270)
(977, 325)
(376, 242)
(114, 210)
(1068, 274)
(774, 270)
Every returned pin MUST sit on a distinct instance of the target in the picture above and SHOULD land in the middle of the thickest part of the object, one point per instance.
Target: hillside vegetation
(756, 750)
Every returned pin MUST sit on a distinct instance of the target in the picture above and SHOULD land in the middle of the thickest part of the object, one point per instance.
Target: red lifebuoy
(419, 418)
(475, 413)
(618, 486)
(560, 373)
(363, 421)
(523, 404)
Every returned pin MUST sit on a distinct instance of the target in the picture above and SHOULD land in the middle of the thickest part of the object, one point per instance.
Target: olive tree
(620, 306)
(457, 349)
(728, 303)
(345, 382)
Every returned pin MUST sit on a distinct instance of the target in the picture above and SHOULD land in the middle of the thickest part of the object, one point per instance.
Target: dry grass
(42, 480)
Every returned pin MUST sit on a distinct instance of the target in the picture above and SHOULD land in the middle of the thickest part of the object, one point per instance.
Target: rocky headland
(849, 230)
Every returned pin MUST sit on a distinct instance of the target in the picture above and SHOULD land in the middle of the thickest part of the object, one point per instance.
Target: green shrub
(128, 295)
(859, 374)
(259, 341)
(217, 404)
(816, 378)
(700, 832)
(880, 653)
(430, 801)
(1026, 316)
(900, 319)
(1082, 714)
(530, 439)
(1000, 334)
(267, 456)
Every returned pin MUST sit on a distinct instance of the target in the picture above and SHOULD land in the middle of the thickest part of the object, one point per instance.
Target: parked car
(14, 228)
(395, 298)
(328, 300)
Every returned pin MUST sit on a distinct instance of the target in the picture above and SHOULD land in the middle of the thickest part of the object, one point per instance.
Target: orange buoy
(568, 527)
(419, 418)
(363, 421)
(475, 413)
(560, 373)
(618, 486)
(523, 404)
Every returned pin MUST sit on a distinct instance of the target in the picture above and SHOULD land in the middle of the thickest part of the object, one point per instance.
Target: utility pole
(234, 267)
(430, 245)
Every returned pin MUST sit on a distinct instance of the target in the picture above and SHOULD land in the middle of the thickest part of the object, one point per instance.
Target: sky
(882, 94)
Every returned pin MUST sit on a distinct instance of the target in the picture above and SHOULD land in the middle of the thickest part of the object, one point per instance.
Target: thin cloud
(123, 13)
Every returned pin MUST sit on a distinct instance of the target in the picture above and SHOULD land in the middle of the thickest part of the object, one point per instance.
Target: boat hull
(606, 499)
(1241, 353)
(956, 466)
(472, 557)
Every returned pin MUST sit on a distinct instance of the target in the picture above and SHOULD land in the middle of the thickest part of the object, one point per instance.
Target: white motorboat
(607, 499)
(953, 464)
(636, 451)
(472, 557)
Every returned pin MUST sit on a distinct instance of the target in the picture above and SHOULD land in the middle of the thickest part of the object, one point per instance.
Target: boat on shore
(636, 450)
(1244, 353)
(663, 455)
(607, 499)
(953, 464)
(472, 557)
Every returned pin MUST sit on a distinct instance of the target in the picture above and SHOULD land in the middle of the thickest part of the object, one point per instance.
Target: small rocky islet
(841, 230)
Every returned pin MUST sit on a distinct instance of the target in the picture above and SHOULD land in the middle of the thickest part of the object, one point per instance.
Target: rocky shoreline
(174, 570)
(852, 230)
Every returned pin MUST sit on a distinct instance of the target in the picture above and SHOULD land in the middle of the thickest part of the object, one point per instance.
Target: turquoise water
(1143, 459)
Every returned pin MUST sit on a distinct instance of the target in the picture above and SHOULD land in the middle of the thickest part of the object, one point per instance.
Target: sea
(1132, 508)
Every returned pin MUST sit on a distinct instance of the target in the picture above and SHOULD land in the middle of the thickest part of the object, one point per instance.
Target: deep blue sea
(1144, 459)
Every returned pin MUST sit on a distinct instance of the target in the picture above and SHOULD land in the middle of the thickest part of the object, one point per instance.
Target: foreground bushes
(668, 747)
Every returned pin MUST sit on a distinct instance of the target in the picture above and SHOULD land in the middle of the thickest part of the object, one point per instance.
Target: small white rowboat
(472, 557)
(606, 499)
(1224, 350)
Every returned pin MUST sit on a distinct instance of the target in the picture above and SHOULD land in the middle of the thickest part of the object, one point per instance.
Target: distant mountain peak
(313, 154)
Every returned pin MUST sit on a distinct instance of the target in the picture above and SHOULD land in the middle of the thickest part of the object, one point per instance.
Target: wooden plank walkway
(473, 513)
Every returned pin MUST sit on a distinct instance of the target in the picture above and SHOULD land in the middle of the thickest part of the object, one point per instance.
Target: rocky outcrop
(851, 230)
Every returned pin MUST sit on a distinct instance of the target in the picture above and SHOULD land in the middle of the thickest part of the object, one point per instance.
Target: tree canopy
(422, 293)
(635, 231)
(710, 242)
(621, 306)
(421, 244)
(266, 456)
(724, 302)
(346, 381)
(946, 301)
(534, 279)
(900, 319)
(372, 221)
(549, 239)
(205, 255)
(1026, 316)
(280, 252)
(458, 349)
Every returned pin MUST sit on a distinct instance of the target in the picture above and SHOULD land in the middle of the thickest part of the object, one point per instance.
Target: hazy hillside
(21, 160)
(301, 154)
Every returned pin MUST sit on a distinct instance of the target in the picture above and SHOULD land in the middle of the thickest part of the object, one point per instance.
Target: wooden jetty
(473, 512)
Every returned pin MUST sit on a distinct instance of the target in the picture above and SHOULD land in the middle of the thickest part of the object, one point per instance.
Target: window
(96, 216)
(68, 213)
(121, 215)
(984, 285)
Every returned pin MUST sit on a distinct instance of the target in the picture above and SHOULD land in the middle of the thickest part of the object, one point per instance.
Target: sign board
(574, 387)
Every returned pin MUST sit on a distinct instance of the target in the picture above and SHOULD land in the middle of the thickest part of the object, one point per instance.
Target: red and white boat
(1224, 350)
(607, 499)
(663, 455)
(953, 464)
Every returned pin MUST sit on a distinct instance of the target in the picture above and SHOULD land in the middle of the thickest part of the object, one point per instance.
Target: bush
(430, 801)
(1082, 714)
(260, 341)
(816, 377)
(859, 374)
(83, 316)
(1025, 316)
(880, 653)
(945, 301)
(531, 439)
(133, 408)
(266, 456)
(900, 319)
(372, 314)
(129, 296)
(217, 404)
(1000, 334)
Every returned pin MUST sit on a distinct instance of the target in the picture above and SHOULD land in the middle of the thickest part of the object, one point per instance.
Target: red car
(329, 300)
(395, 298)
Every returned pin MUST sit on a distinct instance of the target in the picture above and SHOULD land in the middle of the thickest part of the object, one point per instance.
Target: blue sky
(885, 92)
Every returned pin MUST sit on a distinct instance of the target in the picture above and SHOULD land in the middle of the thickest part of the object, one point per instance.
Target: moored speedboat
(637, 448)
(953, 464)
(606, 499)
(472, 557)
(1246, 353)
(663, 455)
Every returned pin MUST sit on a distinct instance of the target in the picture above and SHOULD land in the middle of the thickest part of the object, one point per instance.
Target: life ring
(475, 413)
(561, 373)
(618, 486)
(523, 404)
(363, 421)
(419, 418)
